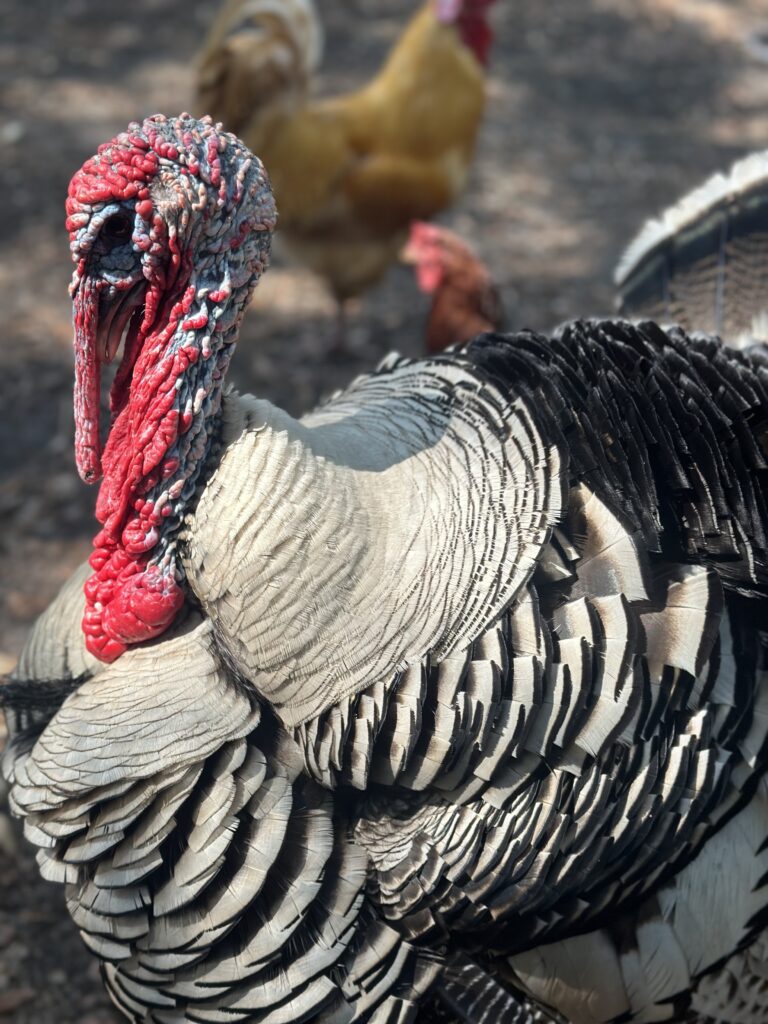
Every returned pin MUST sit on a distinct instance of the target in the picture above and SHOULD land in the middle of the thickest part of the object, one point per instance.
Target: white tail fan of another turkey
(703, 263)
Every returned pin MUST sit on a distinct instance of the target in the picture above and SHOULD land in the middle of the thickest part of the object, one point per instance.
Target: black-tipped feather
(542, 797)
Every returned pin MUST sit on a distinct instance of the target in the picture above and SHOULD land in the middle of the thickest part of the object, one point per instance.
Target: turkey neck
(167, 399)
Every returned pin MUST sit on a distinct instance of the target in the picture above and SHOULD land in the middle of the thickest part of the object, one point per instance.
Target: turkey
(457, 682)
(704, 262)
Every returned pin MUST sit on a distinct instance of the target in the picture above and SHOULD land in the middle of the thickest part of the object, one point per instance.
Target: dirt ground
(601, 112)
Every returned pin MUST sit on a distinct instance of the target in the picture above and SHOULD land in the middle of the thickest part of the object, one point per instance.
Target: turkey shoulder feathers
(702, 262)
(201, 866)
(398, 521)
(53, 663)
(55, 648)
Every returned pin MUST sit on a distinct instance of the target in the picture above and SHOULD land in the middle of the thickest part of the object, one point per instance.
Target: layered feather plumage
(467, 687)
(549, 782)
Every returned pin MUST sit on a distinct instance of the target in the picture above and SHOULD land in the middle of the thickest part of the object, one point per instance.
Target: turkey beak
(87, 394)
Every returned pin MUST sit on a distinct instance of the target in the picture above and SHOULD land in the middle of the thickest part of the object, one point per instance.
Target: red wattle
(127, 599)
(429, 276)
(103, 648)
(127, 604)
(143, 607)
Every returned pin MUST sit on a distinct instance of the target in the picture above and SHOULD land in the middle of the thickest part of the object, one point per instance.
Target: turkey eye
(116, 228)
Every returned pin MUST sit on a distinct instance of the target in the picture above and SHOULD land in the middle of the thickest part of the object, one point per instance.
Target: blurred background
(600, 113)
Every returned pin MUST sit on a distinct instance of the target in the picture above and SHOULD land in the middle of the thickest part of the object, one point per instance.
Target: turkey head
(170, 226)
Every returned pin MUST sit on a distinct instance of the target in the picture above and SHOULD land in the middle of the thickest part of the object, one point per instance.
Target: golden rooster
(351, 172)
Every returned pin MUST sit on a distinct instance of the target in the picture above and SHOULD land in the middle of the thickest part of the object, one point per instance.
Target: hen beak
(409, 254)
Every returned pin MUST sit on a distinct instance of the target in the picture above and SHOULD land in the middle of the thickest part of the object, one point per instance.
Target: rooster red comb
(470, 17)
(423, 233)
